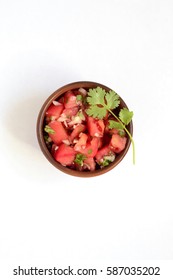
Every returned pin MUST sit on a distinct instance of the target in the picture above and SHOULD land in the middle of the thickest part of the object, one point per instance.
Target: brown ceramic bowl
(40, 124)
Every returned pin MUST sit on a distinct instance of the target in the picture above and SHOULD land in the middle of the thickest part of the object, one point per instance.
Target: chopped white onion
(56, 103)
(53, 118)
(75, 120)
(65, 123)
(110, 158)
(72, 98)
(83, 91)
(62, 118)
(96, 134)
(66, 141)
(75, 125)
(77, 148)
(86, 165)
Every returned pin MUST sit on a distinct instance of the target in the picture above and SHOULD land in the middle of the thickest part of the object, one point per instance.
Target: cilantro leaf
(96, 96)
(112, 99)
(49, 130)
(79, 97)
(117, 125)
(107, 160)
(81, 115)
(90, 151)
(121, 132)
(101, 101)
(125, 116)
(97, 112)
(79, 159)
(114, 124)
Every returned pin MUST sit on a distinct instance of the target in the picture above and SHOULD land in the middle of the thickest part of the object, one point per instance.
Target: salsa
(79, 135)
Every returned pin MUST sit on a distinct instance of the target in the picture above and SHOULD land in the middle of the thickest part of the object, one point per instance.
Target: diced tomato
(81, 144)
(59, 134)
(105, 151)
(113, 131)
(54, 110)
(70, 100)
(69, 112)
(65, 154)
(95, 127)
(106, 139)
(117, 143)
(77, 130)
(89, 163)
(61, 99)
(54, 149)
(100, 142)
(91, 148)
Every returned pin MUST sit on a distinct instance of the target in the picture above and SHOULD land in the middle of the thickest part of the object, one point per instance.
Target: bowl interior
(40, 135)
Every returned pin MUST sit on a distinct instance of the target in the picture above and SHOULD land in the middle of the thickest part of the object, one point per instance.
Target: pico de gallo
(78, 137)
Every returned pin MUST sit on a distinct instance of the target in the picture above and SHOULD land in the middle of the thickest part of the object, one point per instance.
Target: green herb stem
(130, 136)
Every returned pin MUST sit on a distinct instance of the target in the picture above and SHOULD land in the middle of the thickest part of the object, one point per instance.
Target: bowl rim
(39, 131)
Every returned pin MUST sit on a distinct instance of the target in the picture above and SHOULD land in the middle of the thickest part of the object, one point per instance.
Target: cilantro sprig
(79, 159)
(49, 130)
(100, 102)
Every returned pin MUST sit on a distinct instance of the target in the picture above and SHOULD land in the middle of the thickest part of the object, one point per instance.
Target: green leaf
(96, 112)
(79, 159)
(114, 124)
(121, 132)
(117, 125)
(79, 97)
(101, 101)
(125, 116)
(46, 137)
(112, 99)
(107, 159)
(90, 151)
(96, 96)
(81, 115)
(49, 130)
(105, 162)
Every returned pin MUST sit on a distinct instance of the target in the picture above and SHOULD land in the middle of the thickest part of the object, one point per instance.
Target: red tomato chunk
(65, 154)
(59, 134)
(54, 111)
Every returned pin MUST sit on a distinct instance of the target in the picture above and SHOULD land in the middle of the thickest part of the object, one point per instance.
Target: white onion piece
(66, 141)
(96, 134)
(83, 91)
(85, 165)
(75, 120)
(62, 118)
(110, 158)
(65, 123)
(56, 103)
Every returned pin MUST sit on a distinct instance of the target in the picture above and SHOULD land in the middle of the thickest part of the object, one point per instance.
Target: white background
(47, 216)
